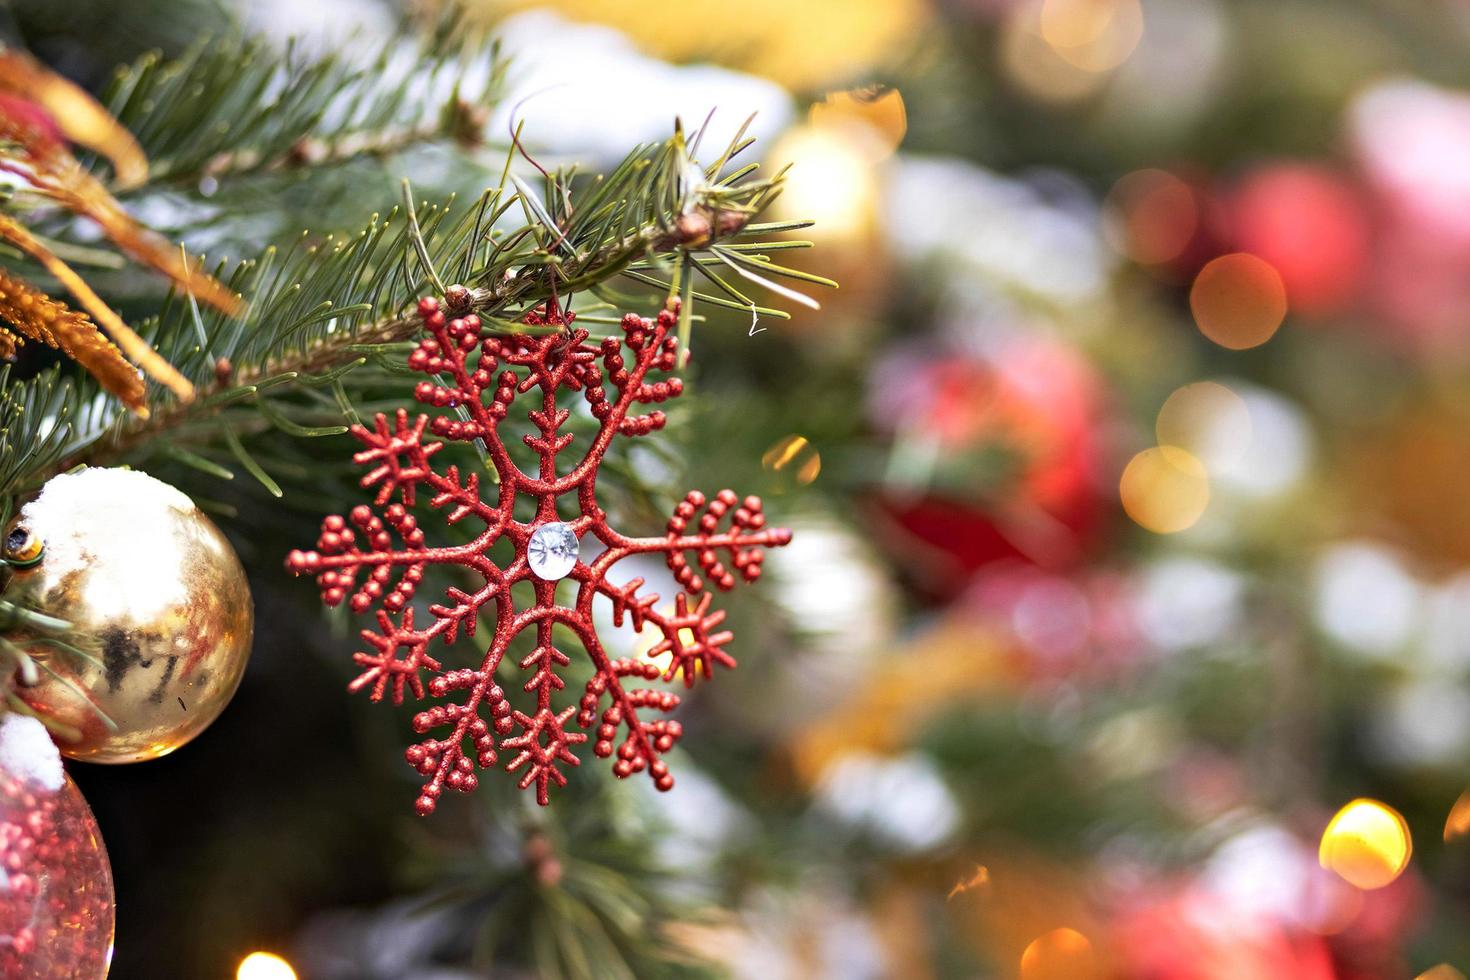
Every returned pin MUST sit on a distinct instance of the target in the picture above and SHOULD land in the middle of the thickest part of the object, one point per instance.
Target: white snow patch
(27, 752)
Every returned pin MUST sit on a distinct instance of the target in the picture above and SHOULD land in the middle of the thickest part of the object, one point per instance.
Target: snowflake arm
(385, 667)
(689, 641)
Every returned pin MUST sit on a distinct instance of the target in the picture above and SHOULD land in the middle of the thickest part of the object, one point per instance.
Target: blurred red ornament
(1193, 935)
(1036, 404)
(1372, 944)
(482, 374)
(56, 899)
(1311, 225)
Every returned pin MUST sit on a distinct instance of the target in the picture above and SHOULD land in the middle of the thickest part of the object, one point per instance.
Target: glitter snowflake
(357, 556)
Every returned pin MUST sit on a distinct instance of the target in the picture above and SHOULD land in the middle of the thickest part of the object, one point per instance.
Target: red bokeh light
(1309, 223)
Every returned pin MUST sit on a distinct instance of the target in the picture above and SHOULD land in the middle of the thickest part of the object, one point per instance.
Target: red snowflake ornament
(612, 378)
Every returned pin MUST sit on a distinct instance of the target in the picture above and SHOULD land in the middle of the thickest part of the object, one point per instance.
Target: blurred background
(1126, 629)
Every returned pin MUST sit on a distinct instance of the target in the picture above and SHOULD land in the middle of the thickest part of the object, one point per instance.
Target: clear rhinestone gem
(553, 551)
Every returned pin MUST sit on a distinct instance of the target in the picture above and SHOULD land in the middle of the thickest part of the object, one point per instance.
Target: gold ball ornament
(159, 603)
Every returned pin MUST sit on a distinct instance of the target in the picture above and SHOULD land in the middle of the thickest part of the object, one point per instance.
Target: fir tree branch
(233, 107)
(320, 313)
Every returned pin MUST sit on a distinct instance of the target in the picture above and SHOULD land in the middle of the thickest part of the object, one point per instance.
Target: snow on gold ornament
(159, 603)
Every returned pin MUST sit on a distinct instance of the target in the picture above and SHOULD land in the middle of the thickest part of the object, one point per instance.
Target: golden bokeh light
(1164, 489)
(794, 456)
(832, 182)
(879, 110)
(1238, 300)
(1153, 216)
(1457, 824)
(1062, 954)
(1207, 420)
(805, 46)
(1034, 65)
(264, 966)
(650, 636)
(1094, 35)
(1367, 844)
(1441, 972)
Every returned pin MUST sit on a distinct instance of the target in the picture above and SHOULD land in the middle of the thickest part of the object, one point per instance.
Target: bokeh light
(1238, 300)
(1367, 843)
(1035, 66)
(1366, 599)
(794, 456)
(1184, 602)
(879, 110)
(1310, 224)
(1165, 489)
(1207, 420)
(802, 45)
(264, 966)
(1170, 82)
(1152, 216)
(1421, 722)
(1062, 954)
(833, 182)
(1441, 972)
(1094, 35)
(1267, 871)
(651, 636)
(1280, 451)
(1457, 824)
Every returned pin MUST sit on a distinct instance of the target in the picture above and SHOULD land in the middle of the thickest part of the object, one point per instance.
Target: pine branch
(233, 107)
(40, 419)
(323, 316)
(586, 896)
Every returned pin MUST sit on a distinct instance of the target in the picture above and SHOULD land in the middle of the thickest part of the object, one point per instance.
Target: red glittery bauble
(56, 899)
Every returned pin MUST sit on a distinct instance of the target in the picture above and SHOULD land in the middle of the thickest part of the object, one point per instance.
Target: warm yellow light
(1207, 420)
(1457, 825)
(1062, 954)
(1367, 843)
(795, 456)
(1094, 35)
(1239, 300)
(264, 966)
(880, 110)
(1442, 972)
(1035, 66)
(831, 182)
(650, 636)
(1164, 489)
(804, 45)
